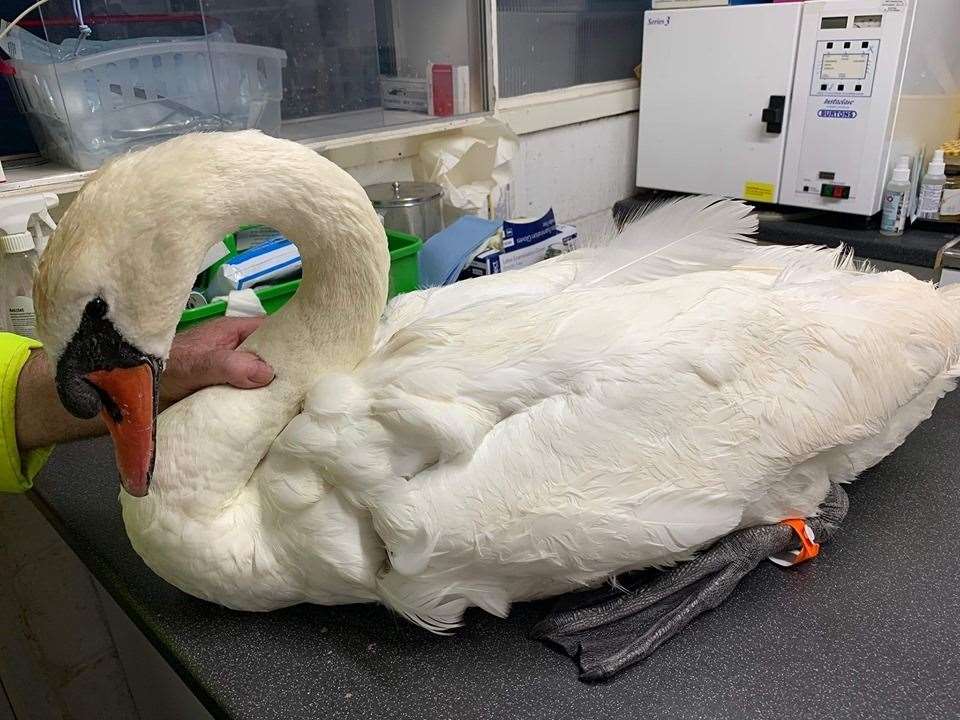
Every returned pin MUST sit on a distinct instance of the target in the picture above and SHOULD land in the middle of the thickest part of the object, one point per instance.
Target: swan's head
(113, 282)
(116, 274)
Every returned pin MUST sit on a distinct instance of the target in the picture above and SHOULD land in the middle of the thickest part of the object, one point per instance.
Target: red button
(838, 191)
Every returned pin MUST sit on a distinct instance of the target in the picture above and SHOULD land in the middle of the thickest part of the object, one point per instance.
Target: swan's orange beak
(129, 396)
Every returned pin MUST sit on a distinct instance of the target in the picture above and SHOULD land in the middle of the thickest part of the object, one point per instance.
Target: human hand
(207, 355)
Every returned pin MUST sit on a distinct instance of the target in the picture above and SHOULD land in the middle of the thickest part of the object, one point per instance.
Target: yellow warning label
(758, 191)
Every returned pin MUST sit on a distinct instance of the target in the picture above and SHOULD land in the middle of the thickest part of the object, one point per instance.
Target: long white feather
(670, 238)
(696, 234)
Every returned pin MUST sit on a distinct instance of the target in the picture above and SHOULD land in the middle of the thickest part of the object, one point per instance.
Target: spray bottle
(931, 188)
(25, 225)
(896, 199)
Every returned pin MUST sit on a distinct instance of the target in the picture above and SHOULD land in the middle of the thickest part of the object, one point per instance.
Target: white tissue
(244, 303)
(474, 168)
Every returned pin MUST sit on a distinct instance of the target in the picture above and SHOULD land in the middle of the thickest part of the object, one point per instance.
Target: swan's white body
(536, 432)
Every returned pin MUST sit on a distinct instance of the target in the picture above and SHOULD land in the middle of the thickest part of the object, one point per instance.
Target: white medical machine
(803, 104)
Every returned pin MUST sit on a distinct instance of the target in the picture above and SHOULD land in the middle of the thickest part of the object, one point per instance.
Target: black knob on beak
(96, 345)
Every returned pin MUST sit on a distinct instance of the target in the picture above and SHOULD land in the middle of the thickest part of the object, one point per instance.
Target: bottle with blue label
(896, 199)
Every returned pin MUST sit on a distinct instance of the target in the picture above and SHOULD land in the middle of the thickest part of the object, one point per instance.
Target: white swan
(499, 440)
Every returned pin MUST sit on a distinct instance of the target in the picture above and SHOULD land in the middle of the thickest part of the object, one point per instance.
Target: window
(551, 44)
(362, 64)
(301, 69)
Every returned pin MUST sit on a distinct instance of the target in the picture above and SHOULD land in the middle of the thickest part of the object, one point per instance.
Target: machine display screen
(844, 66)
(834, 23)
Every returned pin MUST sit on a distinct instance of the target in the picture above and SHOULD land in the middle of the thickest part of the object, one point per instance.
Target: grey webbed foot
(613, 629)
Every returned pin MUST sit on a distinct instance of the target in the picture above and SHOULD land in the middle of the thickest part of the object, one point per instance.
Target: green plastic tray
(404, 277)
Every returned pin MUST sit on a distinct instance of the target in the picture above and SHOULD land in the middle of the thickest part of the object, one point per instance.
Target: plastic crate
(88, 108)
(404, 277)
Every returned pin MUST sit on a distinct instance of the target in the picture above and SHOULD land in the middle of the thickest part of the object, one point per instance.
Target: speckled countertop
(870, 629)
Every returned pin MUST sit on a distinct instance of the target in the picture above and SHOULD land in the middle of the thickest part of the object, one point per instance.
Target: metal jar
(415, 208)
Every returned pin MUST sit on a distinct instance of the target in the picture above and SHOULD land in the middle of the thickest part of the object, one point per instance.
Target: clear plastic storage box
(116, 95)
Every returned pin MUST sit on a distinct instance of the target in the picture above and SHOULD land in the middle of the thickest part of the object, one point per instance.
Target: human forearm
(206, 355)
(40, 418)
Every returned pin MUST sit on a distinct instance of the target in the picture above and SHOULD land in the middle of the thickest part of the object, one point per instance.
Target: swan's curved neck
(330, 323)
(328, 326)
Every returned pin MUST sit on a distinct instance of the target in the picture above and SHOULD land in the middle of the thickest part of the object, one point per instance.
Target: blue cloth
(446, 254)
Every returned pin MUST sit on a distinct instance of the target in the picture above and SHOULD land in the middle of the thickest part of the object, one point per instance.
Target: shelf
(326, 127)
(341, 137)
(31, 176)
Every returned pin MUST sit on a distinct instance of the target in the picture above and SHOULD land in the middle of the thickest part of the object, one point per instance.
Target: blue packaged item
(446, 254)
(270, 261)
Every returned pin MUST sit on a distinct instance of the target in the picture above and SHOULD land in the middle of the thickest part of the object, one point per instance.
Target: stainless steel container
(415, 208)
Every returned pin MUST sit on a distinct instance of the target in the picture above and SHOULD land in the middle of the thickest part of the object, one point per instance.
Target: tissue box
(523, 244)
(397, 93)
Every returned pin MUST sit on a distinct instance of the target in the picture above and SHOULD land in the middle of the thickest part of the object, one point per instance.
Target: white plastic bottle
(896, 199)
(25, 225)
(931, 188)
(17, 272)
